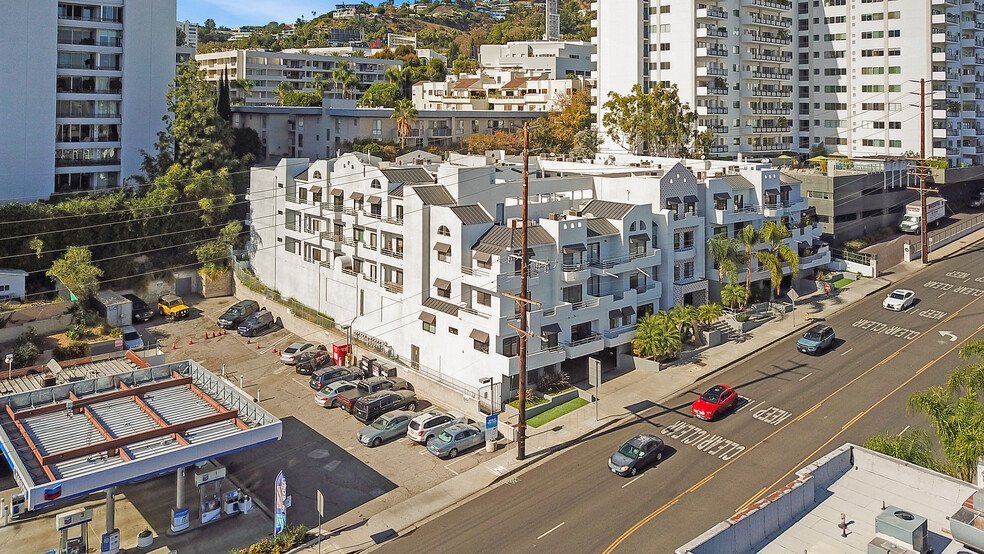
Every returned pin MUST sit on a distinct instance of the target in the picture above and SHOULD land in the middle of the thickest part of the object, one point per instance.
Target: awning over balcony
(572, 248)
(673, 200)
(375, 200)
(483, 257)
(773, 192)
(810, 212)
(480, 336)
(442, 247)
(356, 196)
(427, 317)
(722, 196)
(643, 237)
(552, 329)
(442, 283)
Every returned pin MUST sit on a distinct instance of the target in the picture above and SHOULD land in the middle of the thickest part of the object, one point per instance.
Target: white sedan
(899, 299)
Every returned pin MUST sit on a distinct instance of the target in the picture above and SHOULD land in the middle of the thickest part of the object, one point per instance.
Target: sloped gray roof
(434, 195)
(471, 215)
(599, 226)
(500, 237)
(407, 175)
(397, 192)
(788, 179)
(606, 209)
(738, 182)
(302, 176)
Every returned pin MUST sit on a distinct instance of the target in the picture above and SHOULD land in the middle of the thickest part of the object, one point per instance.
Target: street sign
(321, 504)
(793, 295)
(491, 427)
(119, 343)
(280, 507)
(594, 372)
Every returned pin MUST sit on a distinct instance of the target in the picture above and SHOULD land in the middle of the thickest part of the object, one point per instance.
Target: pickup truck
(347, 399)
(172, 306)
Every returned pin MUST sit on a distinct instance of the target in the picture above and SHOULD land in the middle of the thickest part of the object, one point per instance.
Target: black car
(141, 311)
(369, 386)
(256, 323)
(238, 313)
(640, 451)
(376, 404)
(312, 360)
(333, 374)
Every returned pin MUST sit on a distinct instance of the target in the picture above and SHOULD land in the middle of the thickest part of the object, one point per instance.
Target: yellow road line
(677, 498)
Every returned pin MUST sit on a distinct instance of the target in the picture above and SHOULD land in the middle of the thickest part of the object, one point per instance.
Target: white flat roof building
(556, 58)
(496, 90)
(83, 93)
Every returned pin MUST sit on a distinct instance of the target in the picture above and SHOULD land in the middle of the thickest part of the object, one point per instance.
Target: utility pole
(922, 170)
(523, 292)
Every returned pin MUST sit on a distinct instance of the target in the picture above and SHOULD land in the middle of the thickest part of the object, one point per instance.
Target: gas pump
(209, 481)
(65, 522)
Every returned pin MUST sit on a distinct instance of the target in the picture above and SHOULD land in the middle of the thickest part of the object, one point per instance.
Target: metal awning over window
(785, 188)
(442, 283)
(375, 200)
(639, 238)
(572, 248)
(722, 196)
(612, 314)
(356, 196)
(673, 200)
(480, 336)
(483, 257)
(627, 311)
(772, 192)
(337, 192)
(316, 189)
(552, 329)
(690, 199)
(427, 317)
(442, 247)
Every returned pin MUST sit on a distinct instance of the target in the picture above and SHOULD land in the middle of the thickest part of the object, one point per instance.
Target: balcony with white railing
(575, 272)
(629, 262)
(545, 357)
(822, 257)
(583, 346)
(619, 335)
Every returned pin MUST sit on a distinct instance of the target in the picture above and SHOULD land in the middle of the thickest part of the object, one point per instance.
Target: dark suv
(238, 313)
(374, 405)
(308, 362)
(141, 311)
(333, 374)
(368, 386)
(254, 324)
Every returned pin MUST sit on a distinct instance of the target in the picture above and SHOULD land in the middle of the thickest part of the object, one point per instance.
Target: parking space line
(632, 481)
(298, 382)
(805, 376)
(551, 531)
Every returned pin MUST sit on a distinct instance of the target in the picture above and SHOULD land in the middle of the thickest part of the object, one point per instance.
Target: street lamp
(9, 358)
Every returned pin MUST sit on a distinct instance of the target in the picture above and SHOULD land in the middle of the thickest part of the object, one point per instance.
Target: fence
(954, 232)
(296, 308)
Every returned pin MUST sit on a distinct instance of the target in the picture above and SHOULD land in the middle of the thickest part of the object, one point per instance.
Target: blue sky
(234, 13)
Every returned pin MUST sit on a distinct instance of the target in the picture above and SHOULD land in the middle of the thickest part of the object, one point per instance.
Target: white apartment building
(191, 33)
(495, 90)
(266, 70)
(769, 76)
(556, 58)
(419, 258)
(84, 92)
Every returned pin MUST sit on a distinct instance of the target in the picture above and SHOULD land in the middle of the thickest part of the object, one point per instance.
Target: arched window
(632, 227)
(317, 175)
(642, 225)
(375, 184)
(443, 231)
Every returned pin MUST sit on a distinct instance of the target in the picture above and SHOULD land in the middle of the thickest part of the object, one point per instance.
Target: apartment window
(664, 65)
(834, 54)
(377, 127)
(894, 15)
(834, 123)
(874, 124)
(664, 46)
(834, 36)
(443, 287)
(430, 326)
(483, 298)
(893, 33)
(873, 142)
(873, 106)
(872, 88)
(664, 28)
(894, 69)
(873, 34)
(894, 124)
(664, 9)
(818, 194)
(835, 105)
(894, 51)
(452, 331)
(481, 340)
(872, 70)
(572, 294)
(895, 143)
(510, 346)
(443, 231)
(835, 19)
(872, 16)
(835, 71)
(835, 88)
(845, 217)
(375, 184)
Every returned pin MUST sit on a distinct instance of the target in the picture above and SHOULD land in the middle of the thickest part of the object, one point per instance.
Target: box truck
(935, 211)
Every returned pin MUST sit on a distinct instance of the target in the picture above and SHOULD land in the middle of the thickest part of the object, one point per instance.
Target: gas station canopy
(85, 436)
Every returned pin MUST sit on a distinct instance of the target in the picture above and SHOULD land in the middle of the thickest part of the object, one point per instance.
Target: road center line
(629, 483)
(741, 454)
(551, 531)
(848, 350)
(811, 373)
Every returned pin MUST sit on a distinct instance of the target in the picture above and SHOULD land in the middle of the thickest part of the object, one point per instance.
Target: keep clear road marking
(633, 481)
(559, 525)
(739, 455)
(772, 415)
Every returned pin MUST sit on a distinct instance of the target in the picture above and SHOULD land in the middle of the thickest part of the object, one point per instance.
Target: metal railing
(296, 308)
(955, 229)
(392, 253)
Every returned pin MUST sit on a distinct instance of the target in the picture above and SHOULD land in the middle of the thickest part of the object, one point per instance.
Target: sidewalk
(622, 396)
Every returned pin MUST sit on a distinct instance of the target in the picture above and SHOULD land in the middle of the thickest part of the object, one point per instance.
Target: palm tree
(246, 85)
(283, 89)
(959, 426)
(749, 237)
(685, 316)
(969, 377)
(734, 294)
(344, 76)
(404, 113)
(912, 446)
(707, 314)
(723, 252)
(656, 336)
(779, 252)
(320, 83)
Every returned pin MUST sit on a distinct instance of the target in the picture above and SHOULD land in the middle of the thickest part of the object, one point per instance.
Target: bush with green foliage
(74, 351)
(291, 537)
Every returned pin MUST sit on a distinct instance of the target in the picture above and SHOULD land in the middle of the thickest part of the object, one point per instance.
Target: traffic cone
(173, 347)
(257, 346)
(191, 341)
(248, 341)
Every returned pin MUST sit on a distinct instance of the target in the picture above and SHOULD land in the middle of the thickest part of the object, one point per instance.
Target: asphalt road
(795, 408)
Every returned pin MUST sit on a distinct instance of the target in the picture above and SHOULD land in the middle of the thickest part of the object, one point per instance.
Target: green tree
(748, 238)
(179, 37)
(722, 250)
(586, 143)
(343, 76)
(463, 64)
(36, 245)
(245, 85)
(657, 336)
(685, 316)
(215, 255)
(557, 131)
(778, 253)
(959, 426)
(222, 106)
(320, 83)
(381, 95)
(283, 90)
(707, 314)
(734, 295)
(246, 145)
(912, 446)
(405, 114)
(658, 120)
(202, 140)
(76, 271)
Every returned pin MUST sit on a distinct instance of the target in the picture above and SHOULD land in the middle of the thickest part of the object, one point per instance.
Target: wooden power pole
(922, 170)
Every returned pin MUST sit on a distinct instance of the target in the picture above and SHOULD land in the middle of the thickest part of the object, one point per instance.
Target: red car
(718, 399)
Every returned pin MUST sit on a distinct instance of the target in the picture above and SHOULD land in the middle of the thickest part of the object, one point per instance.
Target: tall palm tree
(912, 446)
(707, 314)
(779, 252)
(344, 77)
(283, 89)
(959, 426)
(722, 250)
(733, 295)
(320, 83)
(969, 377)
(246, 85)
(749, 237)
(405, 114)
(656, 336)
(685, 317)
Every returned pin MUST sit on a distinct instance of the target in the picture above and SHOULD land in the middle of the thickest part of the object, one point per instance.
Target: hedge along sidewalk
(557, 411)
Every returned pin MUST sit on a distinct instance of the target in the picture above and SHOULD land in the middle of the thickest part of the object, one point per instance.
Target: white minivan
(131, 338)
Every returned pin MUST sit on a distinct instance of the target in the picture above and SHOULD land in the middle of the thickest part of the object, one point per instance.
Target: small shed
(117, 310)
(12, 284)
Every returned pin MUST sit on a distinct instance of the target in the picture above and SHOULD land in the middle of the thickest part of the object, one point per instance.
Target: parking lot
(319, 449)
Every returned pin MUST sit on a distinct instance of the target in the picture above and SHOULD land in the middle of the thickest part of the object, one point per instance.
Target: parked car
(347, 399)
(637, 453)
(329, 375)
(816, 339)
(309, 362)
(977, 201)
(254, 324)
(141, 311)
(717, 400)
(328, 395)
(237, 313)
(289, 354)
(456, 438)
(131, 338)
(385, 427)
(430, 424)
(172, 307)
(373, 405)
(899, 299)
